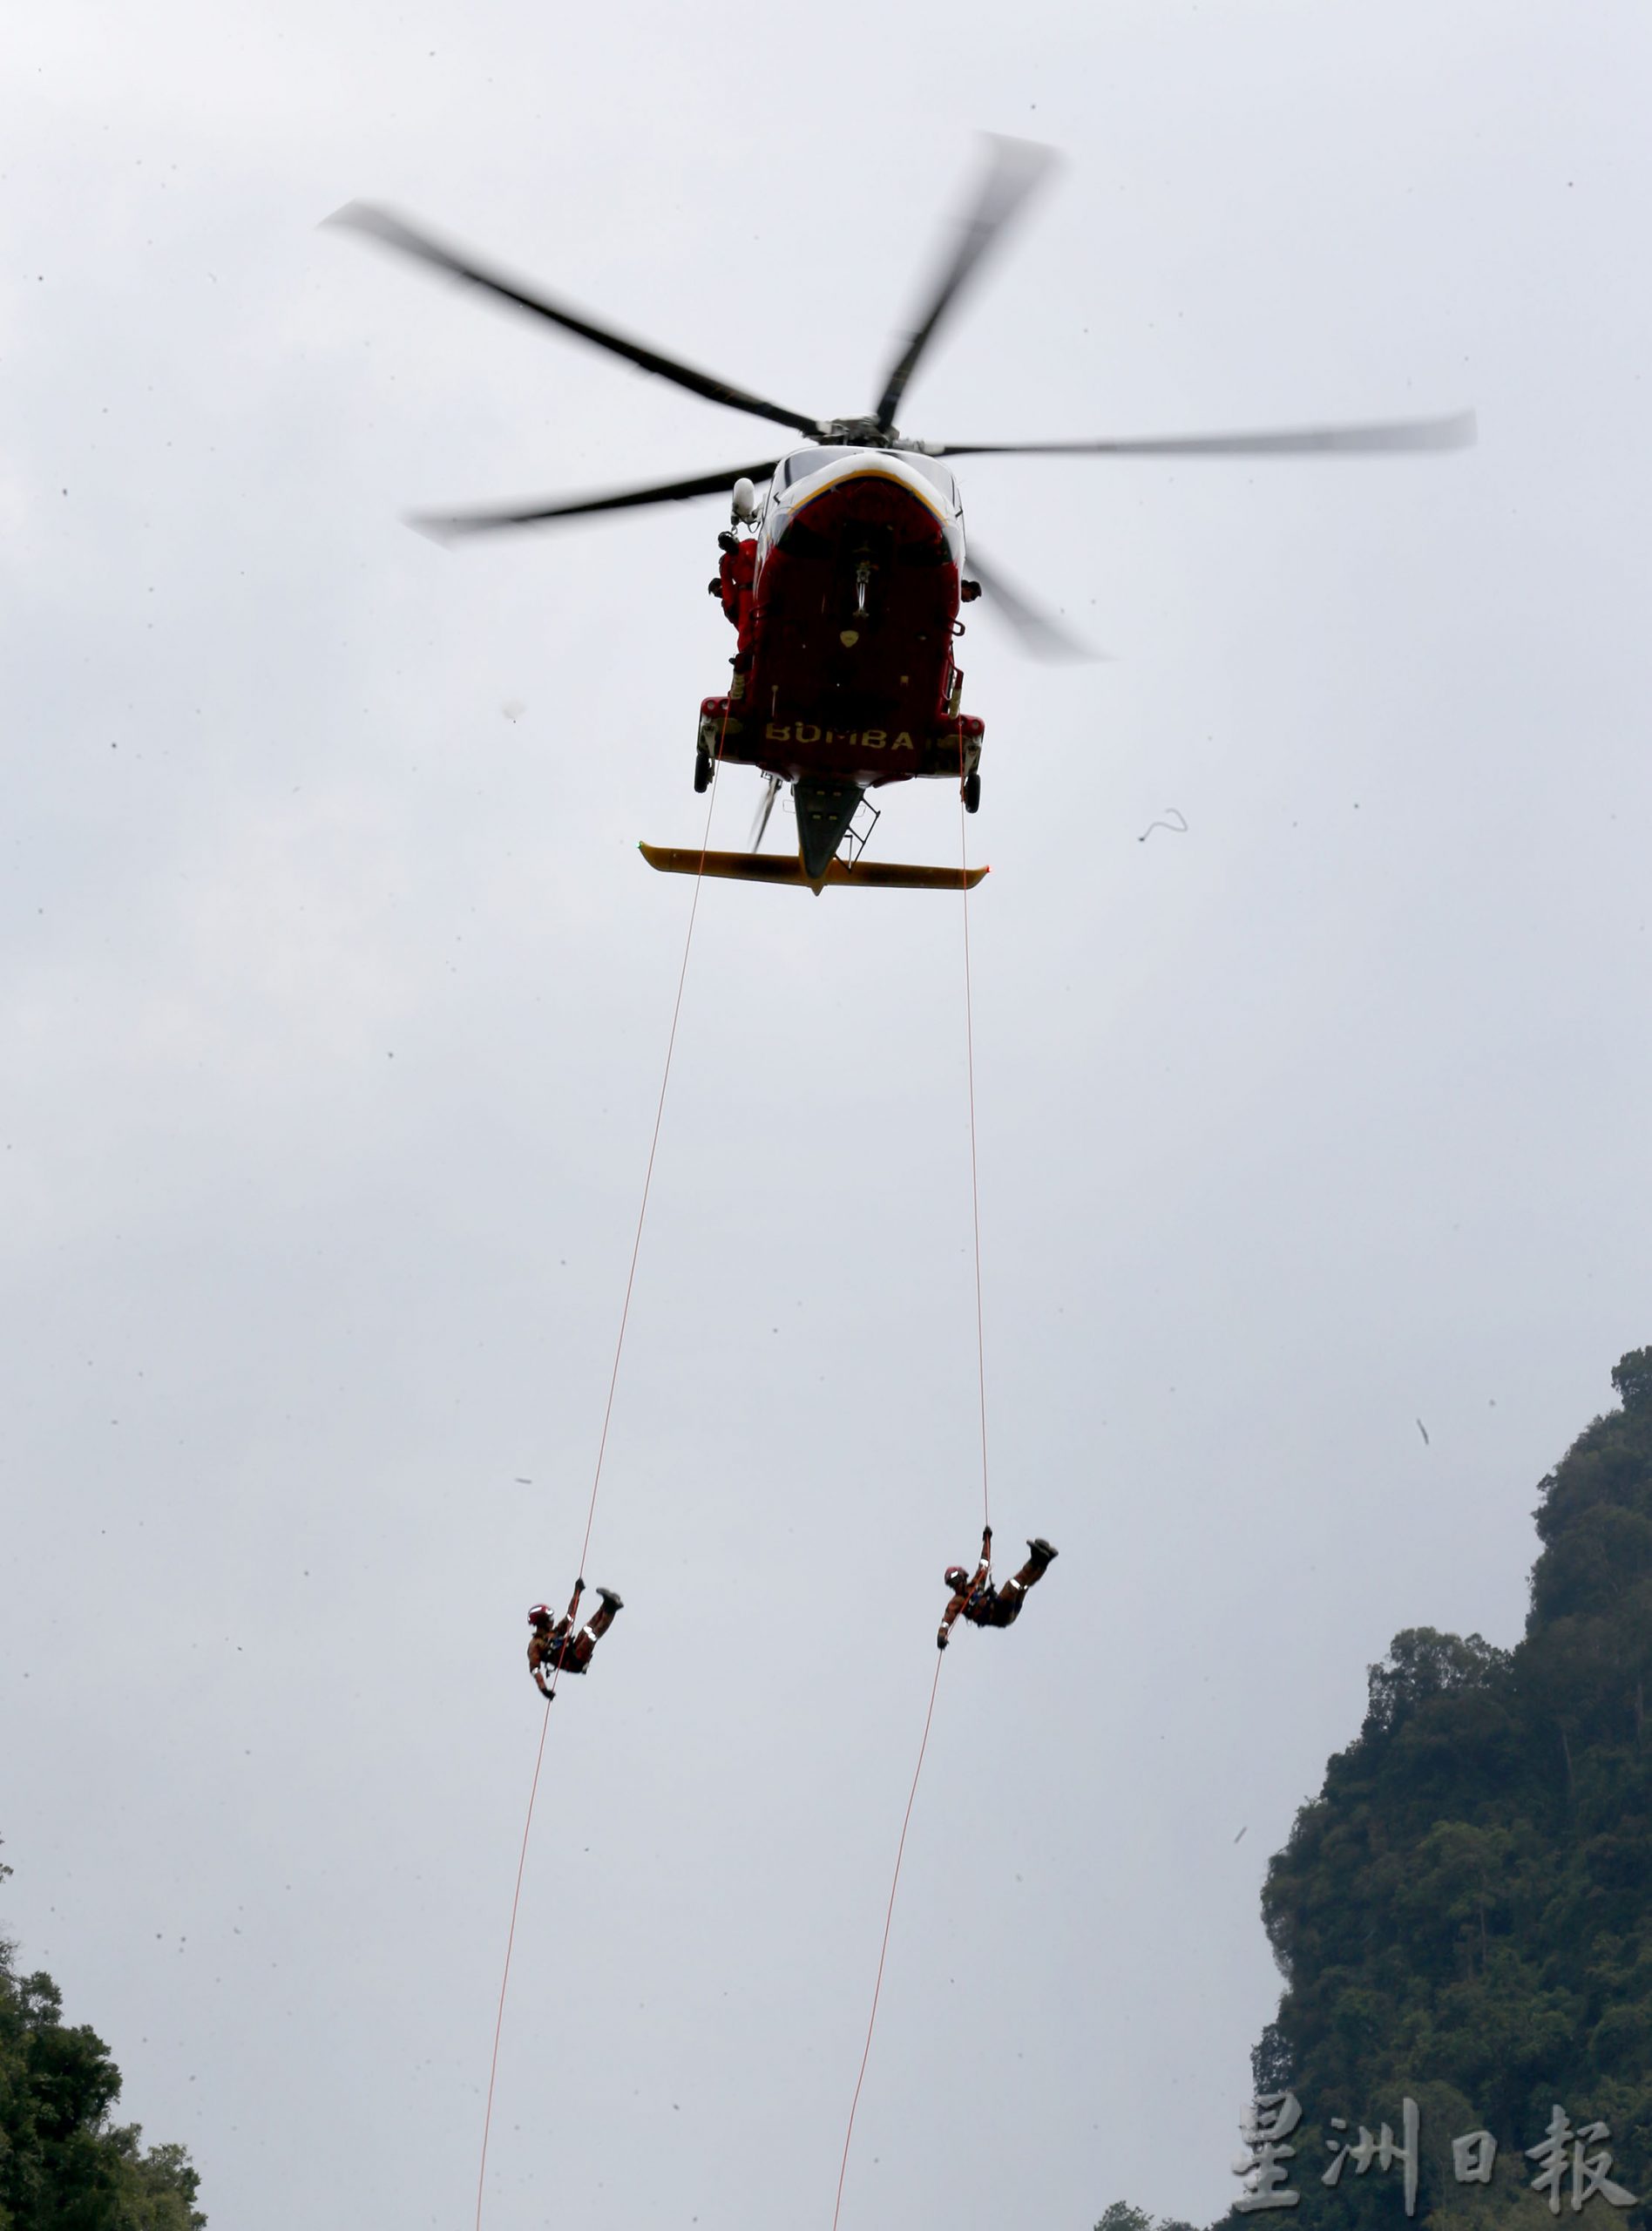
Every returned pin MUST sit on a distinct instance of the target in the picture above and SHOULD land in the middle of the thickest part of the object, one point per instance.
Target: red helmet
(956, 1578)
(540, 1611)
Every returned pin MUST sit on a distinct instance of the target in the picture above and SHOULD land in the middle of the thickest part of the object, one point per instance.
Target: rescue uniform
(555, 1647)
(983, 1603)
(736, 572)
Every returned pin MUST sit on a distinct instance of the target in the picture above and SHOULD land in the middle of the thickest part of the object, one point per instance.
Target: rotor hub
(862, 433)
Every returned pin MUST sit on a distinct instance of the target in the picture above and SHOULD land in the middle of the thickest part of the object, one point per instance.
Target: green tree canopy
(64, 2166)
(1121, 2216)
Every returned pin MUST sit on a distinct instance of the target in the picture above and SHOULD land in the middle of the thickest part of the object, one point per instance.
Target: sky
(336, 999)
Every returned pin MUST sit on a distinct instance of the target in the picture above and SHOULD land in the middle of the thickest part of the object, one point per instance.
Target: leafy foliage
(1121, 2216)
(1463, 1914)
(64, 2165)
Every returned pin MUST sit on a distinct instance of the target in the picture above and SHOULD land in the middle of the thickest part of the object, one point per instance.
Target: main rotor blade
(1455, 433)
(1015, 167)
(395, 232)
(1040, 632)
(444, 525)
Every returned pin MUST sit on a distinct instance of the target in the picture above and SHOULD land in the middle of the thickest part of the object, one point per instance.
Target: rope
(975, 1185)
(889, 1916)
(596, 1481)
(509, 1946)
(980, 1368)
(653, 1145)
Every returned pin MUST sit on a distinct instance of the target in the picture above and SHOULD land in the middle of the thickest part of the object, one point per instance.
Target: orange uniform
(554, 1647)
(975, 1597)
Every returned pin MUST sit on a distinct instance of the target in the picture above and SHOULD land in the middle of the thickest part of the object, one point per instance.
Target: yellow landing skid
(777, 867)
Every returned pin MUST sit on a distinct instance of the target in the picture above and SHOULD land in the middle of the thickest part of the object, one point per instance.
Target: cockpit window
(933, 470)
(801, 463)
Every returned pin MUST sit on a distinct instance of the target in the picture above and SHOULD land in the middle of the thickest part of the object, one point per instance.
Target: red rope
(653, 1144)
(975, 1185)
(889, 1916)
(596, 1481)
(510, 1942)
(980, 1368)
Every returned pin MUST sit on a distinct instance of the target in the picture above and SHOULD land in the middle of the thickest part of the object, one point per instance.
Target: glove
(940, 1642)
(987, 1533)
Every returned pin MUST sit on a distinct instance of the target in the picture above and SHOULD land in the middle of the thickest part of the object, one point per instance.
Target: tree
(64, 2165)
(1121, 2216)
(1632, 1376)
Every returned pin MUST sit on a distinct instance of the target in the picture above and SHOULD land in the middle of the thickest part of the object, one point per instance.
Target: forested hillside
(1464, 1916)
(64, 2165)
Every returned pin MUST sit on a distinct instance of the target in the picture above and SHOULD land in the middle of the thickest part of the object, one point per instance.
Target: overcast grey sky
(335, 996)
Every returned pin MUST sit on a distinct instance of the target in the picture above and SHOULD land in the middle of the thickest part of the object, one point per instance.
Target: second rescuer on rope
(976, 1599)
(554, 1647)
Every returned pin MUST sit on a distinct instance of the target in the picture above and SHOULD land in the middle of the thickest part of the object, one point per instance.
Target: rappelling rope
(975, 1187)
(980, 1369)
(882, 1952)
(596, 1480)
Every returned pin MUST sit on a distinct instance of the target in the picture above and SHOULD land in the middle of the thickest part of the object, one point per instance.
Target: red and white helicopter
(846, 596)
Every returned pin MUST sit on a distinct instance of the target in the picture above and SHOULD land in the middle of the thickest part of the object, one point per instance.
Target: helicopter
(846, 589)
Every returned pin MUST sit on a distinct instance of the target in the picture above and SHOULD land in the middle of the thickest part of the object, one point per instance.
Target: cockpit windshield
(933, 470)
(801, 463)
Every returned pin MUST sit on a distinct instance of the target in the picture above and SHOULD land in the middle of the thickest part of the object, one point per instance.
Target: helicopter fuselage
(846, 671)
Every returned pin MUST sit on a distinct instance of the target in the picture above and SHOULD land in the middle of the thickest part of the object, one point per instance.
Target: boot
(618, 1603)
(1042, 1550)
